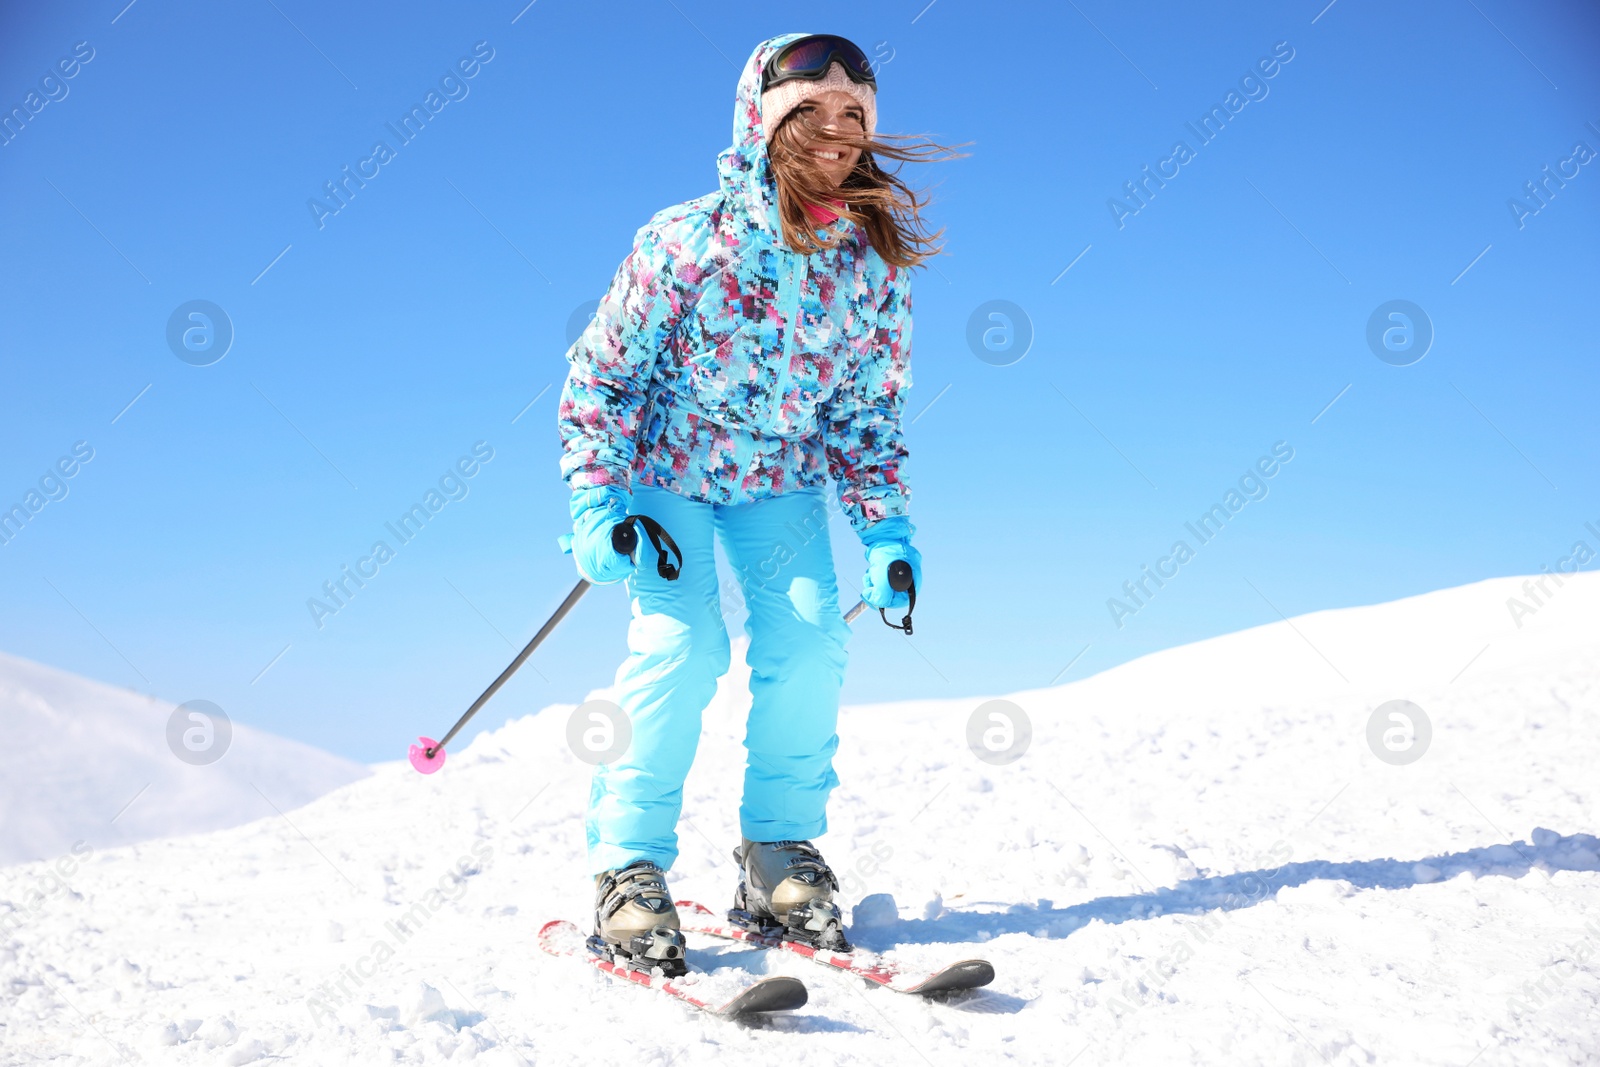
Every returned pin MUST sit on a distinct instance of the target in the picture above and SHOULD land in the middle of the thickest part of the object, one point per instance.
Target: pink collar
(822, 214)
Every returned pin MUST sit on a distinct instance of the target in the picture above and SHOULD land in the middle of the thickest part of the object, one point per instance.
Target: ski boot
(786, 891)
(635, 924)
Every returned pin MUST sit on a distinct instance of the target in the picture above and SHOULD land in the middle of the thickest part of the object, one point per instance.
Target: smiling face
(831, 110)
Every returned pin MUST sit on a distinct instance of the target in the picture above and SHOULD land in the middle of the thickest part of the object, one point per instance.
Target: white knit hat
(778, 101)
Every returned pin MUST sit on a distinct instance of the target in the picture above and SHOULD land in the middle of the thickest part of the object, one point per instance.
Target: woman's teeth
(820, 154)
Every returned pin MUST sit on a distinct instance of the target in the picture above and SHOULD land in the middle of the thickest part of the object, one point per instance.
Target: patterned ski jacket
(726, 367)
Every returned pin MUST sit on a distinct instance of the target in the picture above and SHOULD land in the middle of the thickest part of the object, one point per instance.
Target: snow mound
(90, 765)
(1204, 856)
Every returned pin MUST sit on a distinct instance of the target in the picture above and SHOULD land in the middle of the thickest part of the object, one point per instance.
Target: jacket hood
(743, 169)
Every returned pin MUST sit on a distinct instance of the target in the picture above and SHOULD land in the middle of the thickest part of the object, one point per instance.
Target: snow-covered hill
(1199, 858)
(92, 765)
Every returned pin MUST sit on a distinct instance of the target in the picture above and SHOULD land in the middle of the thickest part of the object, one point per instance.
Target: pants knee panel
(802, 651)
(675, 645)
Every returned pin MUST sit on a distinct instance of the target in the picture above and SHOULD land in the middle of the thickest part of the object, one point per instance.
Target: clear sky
(1369, 153)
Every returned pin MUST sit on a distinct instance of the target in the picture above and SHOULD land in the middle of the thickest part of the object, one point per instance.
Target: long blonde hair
(877, 201)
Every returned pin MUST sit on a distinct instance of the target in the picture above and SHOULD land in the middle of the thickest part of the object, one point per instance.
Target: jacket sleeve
(862, 435)
(611, 364)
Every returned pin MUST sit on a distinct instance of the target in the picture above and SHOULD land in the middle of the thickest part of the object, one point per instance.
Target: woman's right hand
(595, 513)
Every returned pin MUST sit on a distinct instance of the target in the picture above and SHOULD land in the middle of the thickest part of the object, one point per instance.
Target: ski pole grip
(900, 580)
(624, 538)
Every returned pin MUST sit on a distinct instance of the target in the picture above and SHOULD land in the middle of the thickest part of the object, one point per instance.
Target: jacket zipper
(789, 309)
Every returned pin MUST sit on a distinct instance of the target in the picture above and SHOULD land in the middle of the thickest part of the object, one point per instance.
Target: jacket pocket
(732, 372)
(708, 381)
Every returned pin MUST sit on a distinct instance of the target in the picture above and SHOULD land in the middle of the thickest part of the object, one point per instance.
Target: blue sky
(1172, 347)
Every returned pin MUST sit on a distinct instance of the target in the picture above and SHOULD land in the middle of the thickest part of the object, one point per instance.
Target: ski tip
(550, 931)
(693, 907)
(424, 763)
(779, 993)
(968, 974)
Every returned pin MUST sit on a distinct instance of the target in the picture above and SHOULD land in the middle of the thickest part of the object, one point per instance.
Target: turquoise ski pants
(678, 648)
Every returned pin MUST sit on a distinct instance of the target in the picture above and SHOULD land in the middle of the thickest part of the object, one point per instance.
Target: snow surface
(1199, 860)
(87, 762)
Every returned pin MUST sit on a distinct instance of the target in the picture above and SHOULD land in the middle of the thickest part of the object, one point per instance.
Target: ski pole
(900, 581)
(427, 755)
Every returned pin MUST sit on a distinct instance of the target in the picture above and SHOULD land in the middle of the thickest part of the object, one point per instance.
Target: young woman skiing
(752, 344)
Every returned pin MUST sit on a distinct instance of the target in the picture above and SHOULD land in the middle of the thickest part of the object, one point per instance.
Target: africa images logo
(1253, 87)
(453, 87)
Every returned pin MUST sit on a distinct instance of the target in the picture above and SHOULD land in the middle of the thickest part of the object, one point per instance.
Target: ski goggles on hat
(809, 57)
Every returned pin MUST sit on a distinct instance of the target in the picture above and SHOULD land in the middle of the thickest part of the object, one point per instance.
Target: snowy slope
(1199, 859)
(90, 763)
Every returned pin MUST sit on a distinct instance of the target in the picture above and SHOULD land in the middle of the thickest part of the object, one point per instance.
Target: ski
(781, 993)
(967, 974)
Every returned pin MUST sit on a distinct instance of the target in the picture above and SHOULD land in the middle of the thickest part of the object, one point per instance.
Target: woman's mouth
(830, 156)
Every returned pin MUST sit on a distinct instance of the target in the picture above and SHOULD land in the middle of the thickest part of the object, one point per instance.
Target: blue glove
(595, 513)
(888, 540)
